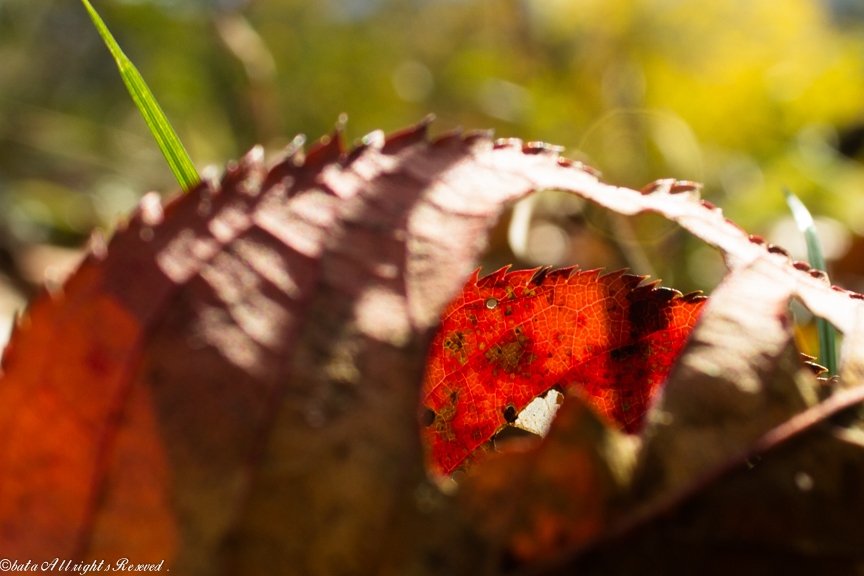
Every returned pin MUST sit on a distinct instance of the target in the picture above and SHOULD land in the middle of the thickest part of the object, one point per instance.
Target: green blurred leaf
(827, 334)
(166, 138)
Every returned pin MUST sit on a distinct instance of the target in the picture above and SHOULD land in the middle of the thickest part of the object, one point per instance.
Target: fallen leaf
(232, 383)
(739, 377)
(510, 337)
(233, 380)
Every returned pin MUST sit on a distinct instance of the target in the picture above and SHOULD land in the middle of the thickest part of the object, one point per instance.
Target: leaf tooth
(20, 322)
(494, 278)
(255, 156)
(568, 273)
(375, 139)
(694, 189)
(450, 138)
(695, 296)
(520, 277)
(253, 160)
(757, 240)
(210, 178)
(500, 274)
(819, 275)
(571, 271)
(150, 209)
(565, 162)
(802, 266)
(589, 275)
(774, 249)
(507, 143)
(295, 152)
(233, 177)
(816, 368)
(612, 276)
(536, 147)
(662, 186)
(559, 274)
(644, 291)
(540, 275)
(650, 285)
(232, 169)
(22, 319)
(53, 287)
(327, 149)
(96, 244)
(830, 382)
(473, 136)
(410, 136)
(633, 280)
(664, 294)
(252, 166)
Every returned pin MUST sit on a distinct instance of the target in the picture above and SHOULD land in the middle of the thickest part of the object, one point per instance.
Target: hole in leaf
(510, 413)
(427, 417)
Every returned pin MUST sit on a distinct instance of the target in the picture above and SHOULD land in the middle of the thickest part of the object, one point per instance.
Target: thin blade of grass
(179, 161)
(827, 333)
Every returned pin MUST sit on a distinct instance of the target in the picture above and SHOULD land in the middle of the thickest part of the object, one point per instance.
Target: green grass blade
(161, 129)
(827, 334)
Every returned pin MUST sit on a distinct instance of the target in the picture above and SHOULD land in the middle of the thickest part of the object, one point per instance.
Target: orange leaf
(509, 338)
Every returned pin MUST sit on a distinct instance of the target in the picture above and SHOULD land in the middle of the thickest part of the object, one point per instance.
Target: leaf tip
(402, 139)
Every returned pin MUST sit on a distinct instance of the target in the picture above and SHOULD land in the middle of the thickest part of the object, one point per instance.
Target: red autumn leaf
(573, 486)
(509, 338)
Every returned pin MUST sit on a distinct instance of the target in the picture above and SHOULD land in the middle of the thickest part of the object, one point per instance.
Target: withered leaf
(233, 385)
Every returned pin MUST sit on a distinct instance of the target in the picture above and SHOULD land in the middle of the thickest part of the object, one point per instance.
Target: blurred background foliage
(743, 95)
